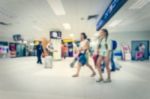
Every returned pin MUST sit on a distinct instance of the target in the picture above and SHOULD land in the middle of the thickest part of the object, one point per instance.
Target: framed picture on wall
(140, 50)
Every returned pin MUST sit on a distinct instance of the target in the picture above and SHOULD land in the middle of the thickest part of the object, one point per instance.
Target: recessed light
(72, 35)
(66, 26)
(25, 42)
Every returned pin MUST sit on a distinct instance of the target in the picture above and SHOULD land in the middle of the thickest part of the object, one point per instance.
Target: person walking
(82, 58)
(103, 50)
(39, 49)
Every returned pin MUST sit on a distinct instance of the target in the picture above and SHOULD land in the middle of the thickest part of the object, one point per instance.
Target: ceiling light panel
(115, 23)
(66, 26)
(57, 7)
(72, 35)
(139, 4)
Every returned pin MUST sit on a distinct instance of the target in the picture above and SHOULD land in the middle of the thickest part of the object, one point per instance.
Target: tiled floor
(22, 78)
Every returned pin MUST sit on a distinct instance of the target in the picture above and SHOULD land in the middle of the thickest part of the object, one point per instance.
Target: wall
(127, 37)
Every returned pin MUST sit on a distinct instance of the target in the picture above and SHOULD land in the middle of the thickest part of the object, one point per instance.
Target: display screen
(55, 34)
(17, 37)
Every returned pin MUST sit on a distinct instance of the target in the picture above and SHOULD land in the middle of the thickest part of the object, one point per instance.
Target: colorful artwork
(140, 50)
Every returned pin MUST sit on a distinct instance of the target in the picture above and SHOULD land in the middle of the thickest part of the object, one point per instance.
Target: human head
(40, 42)
(141, 44)
(83, 36)
(103, 33)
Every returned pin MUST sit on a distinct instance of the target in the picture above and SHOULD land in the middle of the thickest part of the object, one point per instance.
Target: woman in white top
(82, 59)
(103, 50)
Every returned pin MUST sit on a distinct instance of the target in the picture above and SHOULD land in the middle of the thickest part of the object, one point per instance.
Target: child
(103, 49)
(82, 58)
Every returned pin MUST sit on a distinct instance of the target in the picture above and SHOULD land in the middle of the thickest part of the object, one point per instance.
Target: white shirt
(50, 47)
(102, 50)
(82, 44)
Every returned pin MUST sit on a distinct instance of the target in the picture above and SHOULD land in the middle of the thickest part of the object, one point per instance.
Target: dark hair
(40, 42)
(105, 31)
(141, 44)
(89, 40)
(84, 35)
(62, 42)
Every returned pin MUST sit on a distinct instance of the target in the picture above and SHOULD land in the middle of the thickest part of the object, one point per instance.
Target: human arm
(84, 46)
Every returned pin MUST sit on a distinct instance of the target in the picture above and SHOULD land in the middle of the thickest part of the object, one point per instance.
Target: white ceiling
(132, 20)
(26, 16)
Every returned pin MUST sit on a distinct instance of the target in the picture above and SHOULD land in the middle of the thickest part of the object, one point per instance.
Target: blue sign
(113, 7)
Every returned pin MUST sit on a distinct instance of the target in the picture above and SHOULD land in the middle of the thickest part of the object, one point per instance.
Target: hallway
(22, 78)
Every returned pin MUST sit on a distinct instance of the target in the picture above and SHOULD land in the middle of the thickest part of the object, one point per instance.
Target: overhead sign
(113, 7)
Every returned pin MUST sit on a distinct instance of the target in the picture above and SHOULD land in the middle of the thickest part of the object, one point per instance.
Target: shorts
(82, 59)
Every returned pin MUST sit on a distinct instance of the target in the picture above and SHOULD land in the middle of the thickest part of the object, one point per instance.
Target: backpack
(114, 44)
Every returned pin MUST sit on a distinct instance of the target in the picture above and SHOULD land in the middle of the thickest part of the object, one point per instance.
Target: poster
(140, 50)
(12, 49)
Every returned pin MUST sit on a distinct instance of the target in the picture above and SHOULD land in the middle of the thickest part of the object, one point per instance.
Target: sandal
(107, 81)
(99, 80)
(93, 74)
(75, 75)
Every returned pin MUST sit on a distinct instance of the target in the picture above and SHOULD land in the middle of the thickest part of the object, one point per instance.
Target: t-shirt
(39, 49)
(50, 49)
(82, 44)
(102, 44)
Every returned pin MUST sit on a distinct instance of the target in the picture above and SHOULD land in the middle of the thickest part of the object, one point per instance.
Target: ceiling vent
(92, 17)
(4, 23)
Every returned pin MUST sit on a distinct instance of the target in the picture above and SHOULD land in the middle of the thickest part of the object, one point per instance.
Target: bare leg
(99, 61)
(45, 62)
(78, 70)
(106, 59)
(90, 67)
